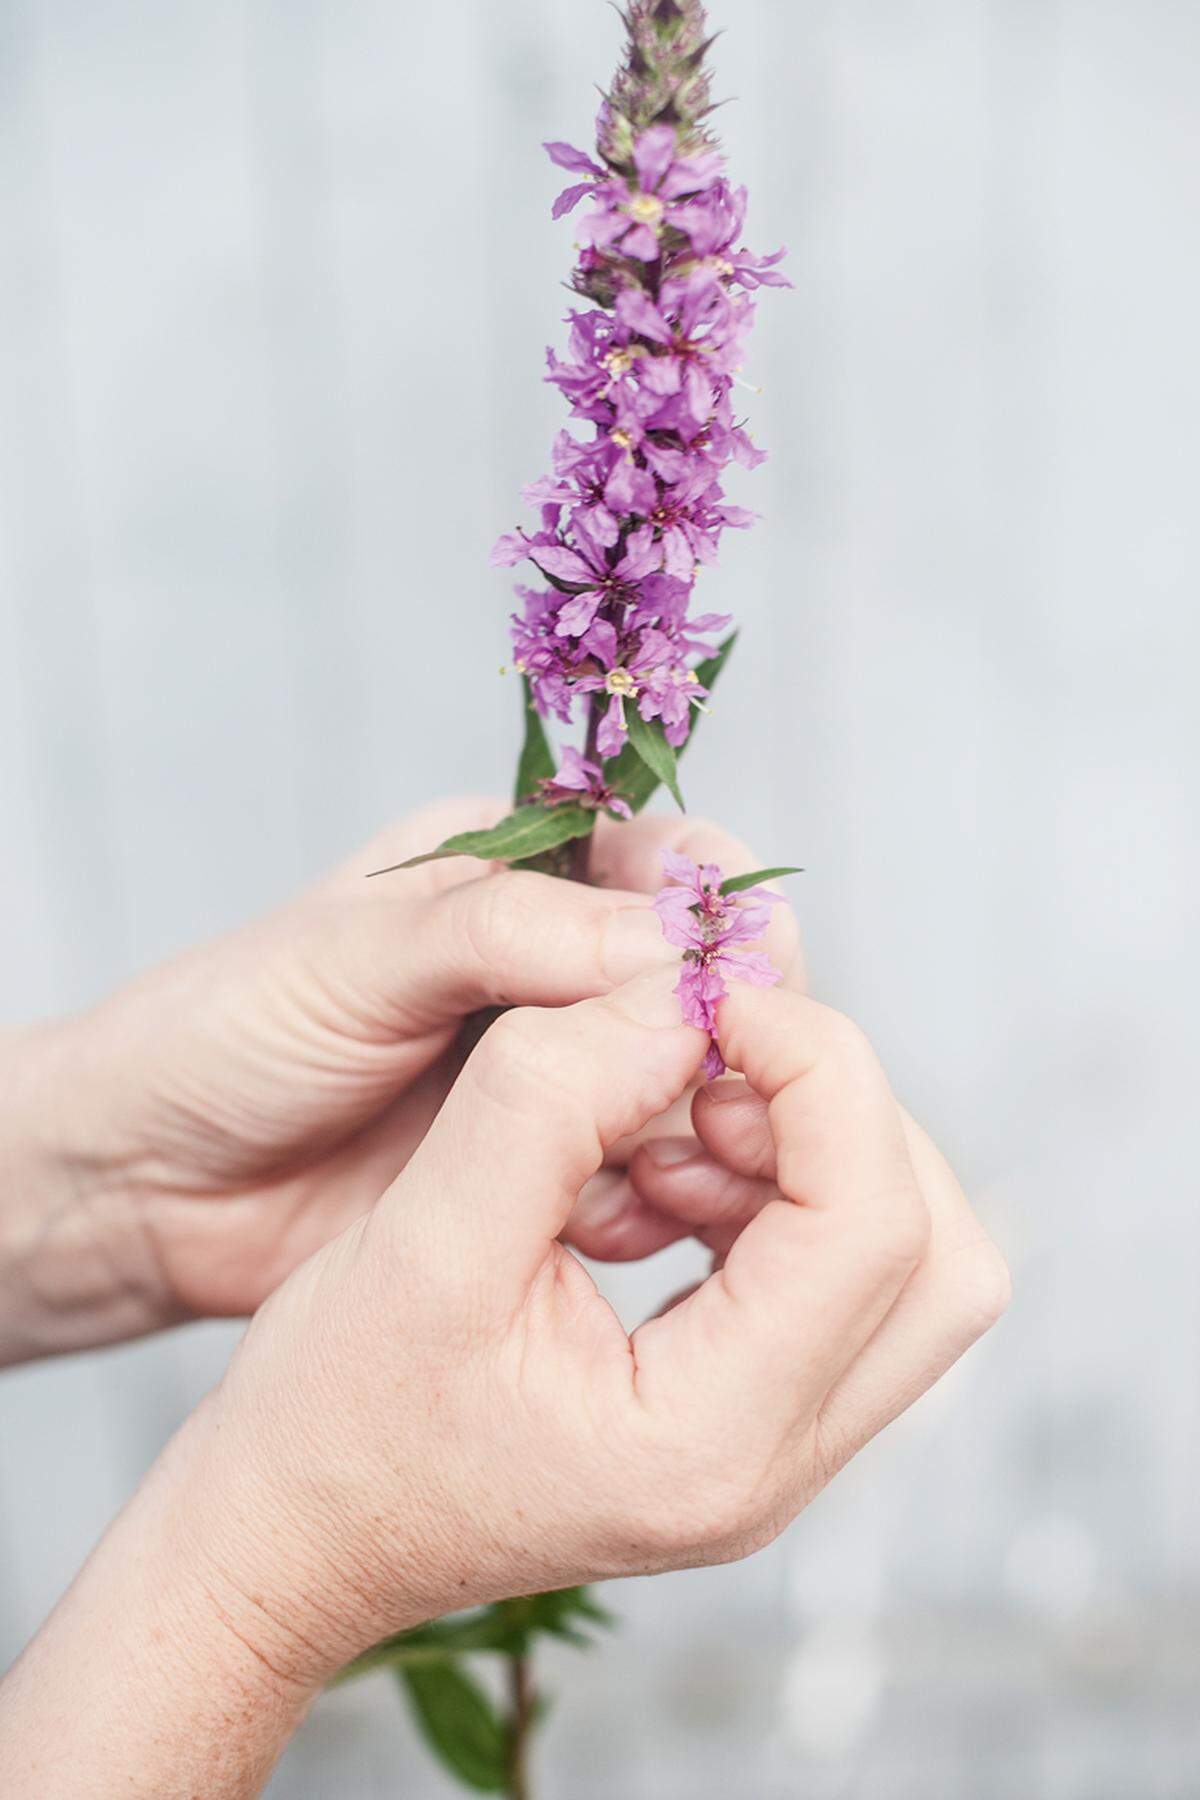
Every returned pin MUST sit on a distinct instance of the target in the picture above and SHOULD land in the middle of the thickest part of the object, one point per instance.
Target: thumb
(419, 960)
(541, 1098)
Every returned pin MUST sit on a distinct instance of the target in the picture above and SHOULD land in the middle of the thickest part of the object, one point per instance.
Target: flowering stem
(581, 849)
(521, 1724)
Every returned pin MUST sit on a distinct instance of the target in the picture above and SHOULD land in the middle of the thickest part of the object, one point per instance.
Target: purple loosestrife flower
(582, 783)
(712, 929)
(634, 505)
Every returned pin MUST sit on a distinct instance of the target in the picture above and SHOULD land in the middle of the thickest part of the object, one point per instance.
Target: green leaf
(461, 1634)
(461, 1725)
(537, 759)
(633, 779)
(647, 741)
(737, 884)
(526, 832)
(505, 1629)
(571, 1614)
(708, 673)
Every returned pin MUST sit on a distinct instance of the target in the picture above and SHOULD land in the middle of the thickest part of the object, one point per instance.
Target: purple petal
(679, 924)
(546, 491)
(509, 550)
(660, 374)
(753, 967)
(640, 242)
(703, 224)
(678, 867)
(569, 199)
(637, 311)
(567, 157)
(678, 559)
(576, 615)
(563, 564)
(610, 739)
(653, 154)
(577, 773)
(600, 640)
(671, 465)
(698, 394)
(641, 555)
(601, 229)
(692, 175)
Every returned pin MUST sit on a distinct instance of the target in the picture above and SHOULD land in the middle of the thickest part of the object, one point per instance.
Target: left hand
(179, 1149)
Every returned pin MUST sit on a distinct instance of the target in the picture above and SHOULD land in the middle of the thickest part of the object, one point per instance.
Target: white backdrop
(276, 277)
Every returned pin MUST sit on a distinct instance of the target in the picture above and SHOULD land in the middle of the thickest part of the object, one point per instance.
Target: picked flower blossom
(713, 929)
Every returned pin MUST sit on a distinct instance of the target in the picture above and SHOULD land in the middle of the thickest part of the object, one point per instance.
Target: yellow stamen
(647, 209)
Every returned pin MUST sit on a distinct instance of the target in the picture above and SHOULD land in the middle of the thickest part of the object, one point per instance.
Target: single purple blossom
(582, 783)
(712, 929)
(632, 215)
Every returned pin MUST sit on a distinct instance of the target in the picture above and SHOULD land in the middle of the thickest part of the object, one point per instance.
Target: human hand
(200, 1133)
(440, 1409)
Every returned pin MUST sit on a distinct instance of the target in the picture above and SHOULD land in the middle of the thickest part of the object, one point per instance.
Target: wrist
(75, 1267)
(312, 1548)
(147, 1677)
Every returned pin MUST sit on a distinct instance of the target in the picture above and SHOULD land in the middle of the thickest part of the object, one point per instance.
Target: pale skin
(433, 1405)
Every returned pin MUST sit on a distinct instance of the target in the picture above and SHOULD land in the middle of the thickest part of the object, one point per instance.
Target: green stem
(581, 849)
(521, 1722)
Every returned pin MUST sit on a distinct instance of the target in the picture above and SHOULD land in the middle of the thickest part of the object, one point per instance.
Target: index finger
(813, 1275)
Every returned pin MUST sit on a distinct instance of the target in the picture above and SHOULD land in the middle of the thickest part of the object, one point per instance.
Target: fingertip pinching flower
(714, 922)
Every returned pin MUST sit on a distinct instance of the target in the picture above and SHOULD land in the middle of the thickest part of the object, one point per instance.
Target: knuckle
(518, 1044)
(906, 1232)
(845, 1040)
(710, 1516)
(488, 918)
(983, 1288)
(526, 1062)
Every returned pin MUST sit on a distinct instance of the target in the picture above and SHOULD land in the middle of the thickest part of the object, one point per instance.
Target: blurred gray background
(276, 277)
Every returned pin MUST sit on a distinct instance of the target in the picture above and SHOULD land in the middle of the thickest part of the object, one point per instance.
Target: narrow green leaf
(627, 774)
(571, 1614)
(506, 1629)
(647, 741)
(526, 832)
(537, 759)
(708, 673)
(737, 884)
(486, 1630)
(461, 1725)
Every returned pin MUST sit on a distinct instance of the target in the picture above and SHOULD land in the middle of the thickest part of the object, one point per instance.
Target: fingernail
(633, 942)
(718, 1092)
(668, 1153)
(650, 999)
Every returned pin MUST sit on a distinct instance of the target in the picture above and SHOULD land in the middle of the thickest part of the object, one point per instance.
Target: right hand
(439, 1409)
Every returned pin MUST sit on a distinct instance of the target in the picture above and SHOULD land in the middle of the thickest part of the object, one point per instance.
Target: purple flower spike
(713, 930)
(634, 506)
